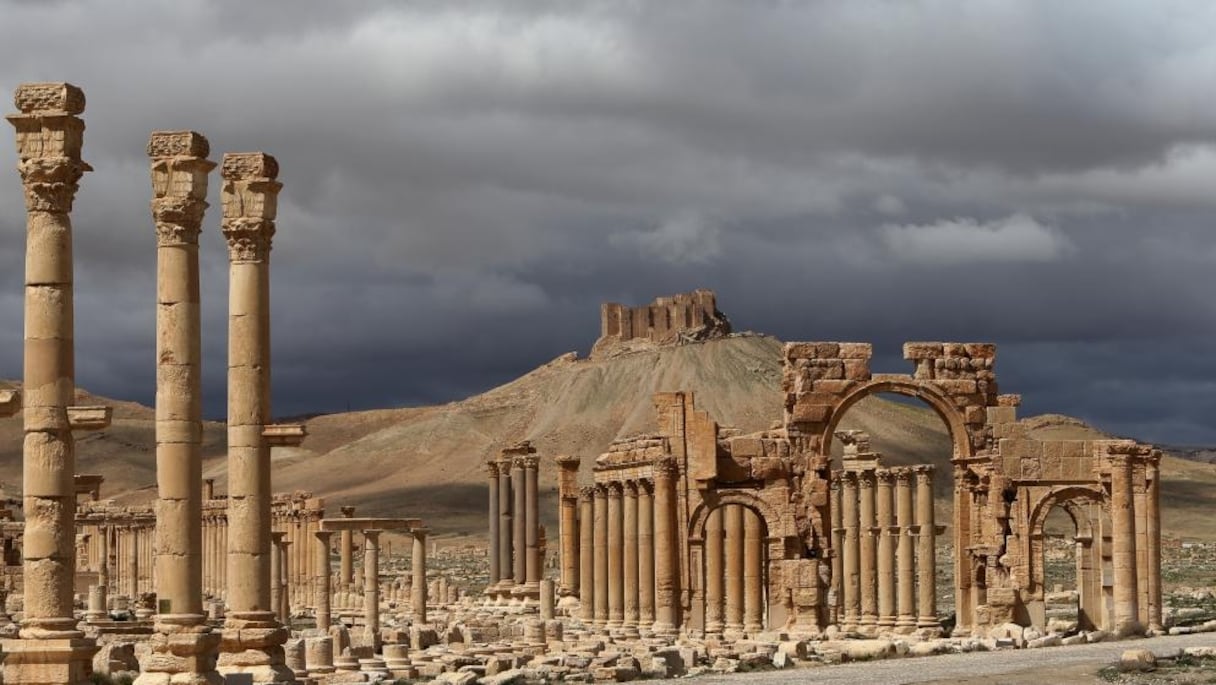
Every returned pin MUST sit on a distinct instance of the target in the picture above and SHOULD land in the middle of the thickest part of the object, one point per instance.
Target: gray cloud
(465, 182)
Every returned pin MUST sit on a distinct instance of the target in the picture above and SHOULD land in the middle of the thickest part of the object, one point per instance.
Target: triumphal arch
(700, 529)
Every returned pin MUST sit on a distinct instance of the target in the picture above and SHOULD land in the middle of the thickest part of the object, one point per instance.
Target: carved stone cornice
(250, 202)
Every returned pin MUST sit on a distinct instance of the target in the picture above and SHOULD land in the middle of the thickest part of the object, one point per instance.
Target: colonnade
(627, 546)
(735, 570)
(515, 551)
(884, 532)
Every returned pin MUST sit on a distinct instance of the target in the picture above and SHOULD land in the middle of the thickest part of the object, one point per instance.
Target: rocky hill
(427, 461)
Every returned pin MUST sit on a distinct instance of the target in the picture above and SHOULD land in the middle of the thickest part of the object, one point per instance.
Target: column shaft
(715, 572)
(666, 547)
(869, 579)
(371, 586)
(321, 585)
(926, 562)
(506, 535)
(1123, 557)
(630, 556)
(418, 565)
(492, 470)
(886, 550)
(645, 557)
(519, 541)
(1153, 520)
(906, 561)
(852, 552)
(346, 554)
(837, 518)
(532, 570)
(586, 557)
(601, 555)
(753, 571)
(616, 561)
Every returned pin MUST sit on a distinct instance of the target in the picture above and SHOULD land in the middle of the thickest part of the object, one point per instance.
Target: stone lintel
(90, 418)
(362, 524)
(285, 434)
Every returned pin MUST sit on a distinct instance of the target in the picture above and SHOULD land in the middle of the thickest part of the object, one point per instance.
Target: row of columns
(627, 547)
(884, 531)
(1135, 508)
(734, 570)
(515, 560)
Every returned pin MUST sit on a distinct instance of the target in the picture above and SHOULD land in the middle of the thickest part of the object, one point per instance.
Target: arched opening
(1061, 574)
(906, 427)
(734, 571)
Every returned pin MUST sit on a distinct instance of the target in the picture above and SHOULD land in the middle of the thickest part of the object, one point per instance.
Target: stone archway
(733, 588)
(1080, 504)
(927, 391)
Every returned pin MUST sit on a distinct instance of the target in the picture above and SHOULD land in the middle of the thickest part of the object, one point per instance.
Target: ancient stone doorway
(734, 572)
(1068, 545)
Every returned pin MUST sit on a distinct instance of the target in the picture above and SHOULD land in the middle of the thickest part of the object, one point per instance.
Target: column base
(56, 661)
(182, 646)
(252, 643)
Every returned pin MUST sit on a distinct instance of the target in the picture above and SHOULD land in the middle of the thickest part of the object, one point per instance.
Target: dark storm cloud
(465, 182)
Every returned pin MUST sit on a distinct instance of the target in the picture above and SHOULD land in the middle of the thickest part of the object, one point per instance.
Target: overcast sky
(464, 183)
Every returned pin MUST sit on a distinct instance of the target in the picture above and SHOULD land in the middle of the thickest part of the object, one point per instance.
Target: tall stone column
(371, 587)
(616, 561)
(103, 571)
(519, 536)
(926, 562)
(276, 573)
(1123, 557)
(837, 519)
(133, 551)
(1152, 515)
(506, 534)
(568, 530)
(715, 572)
(753, 572)
(630, 557)
(886, 549)
(346, 554)
(49, 139)
(600, 555)
(852, 552)
(869, 584)
(418, 571)
(179, 191)
(532, 569)
(732, 516)
(666, 547)
(321, 577)
(905, 621)
(586, 557)
(253, 638)
(495, 576)
(645, 557)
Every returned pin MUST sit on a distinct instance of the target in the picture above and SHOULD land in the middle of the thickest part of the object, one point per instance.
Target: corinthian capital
(49, 140)
(179, 185)
(250, 200)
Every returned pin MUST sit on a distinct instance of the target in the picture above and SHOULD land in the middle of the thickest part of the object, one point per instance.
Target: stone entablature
(667, 320)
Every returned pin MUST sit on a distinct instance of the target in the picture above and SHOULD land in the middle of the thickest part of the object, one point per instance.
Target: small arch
(938, 401)
(768, 515)
(1068, 498)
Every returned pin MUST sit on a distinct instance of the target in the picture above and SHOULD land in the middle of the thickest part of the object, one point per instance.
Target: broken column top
(249, 165)
(178, 144)
(49, 98)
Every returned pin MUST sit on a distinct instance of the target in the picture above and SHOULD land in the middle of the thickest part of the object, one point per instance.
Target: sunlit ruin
(687, 548)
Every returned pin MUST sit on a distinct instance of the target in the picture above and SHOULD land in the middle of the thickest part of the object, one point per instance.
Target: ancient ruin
(694, 546)
(683, 317)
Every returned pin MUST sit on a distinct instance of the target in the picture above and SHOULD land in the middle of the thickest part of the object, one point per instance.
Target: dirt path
(1077, 664)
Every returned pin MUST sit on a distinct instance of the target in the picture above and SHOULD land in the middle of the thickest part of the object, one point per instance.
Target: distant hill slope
(427, 461)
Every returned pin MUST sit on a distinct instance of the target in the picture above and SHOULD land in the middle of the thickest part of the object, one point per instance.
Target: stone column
(495, 575)
(1152, 515)
(49, 138)
(616, 562)
(371, 587)
(418, 579)
(321, 580)
(568, 530)
(753, 572)
(346, 554)
(1123, 557)
(179, 191)
(285, 584)
(905, 622)
(103, 572)
(715, 572)
(732, 516)
(630, 558)
(865, 532)
(851, 580)
(586, 557)
(600, 554)
(666, 546)
(506, 535)
(133, 550)
(253, 638)
(532, 569)
(645, 557)
(519, 537)
(886, 550)
(837, 523)
(926, 562)
(276, 573)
